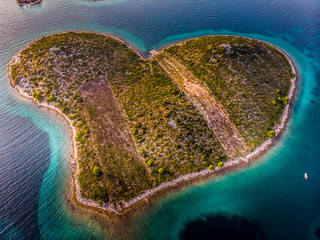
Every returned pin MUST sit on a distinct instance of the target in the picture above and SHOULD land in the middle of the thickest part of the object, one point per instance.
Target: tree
(285, 100)
(160, 170)
(96, 171)
(211, 167)
(271, 134)
(220, 164)
(38, 95)
(65, 109)
(100, 202)
(149, 163)
(51, 98)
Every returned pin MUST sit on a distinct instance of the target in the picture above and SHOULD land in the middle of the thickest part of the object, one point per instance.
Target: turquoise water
(271, 194)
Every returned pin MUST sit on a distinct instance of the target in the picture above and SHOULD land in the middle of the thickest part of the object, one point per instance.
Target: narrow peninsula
(141, 125)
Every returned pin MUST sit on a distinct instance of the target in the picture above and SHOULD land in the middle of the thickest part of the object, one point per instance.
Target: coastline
(152, 195)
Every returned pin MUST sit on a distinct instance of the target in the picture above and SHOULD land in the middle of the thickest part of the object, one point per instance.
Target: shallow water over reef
(270, 199)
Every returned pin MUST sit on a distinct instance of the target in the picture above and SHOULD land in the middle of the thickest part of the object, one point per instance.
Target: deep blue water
(269, 200)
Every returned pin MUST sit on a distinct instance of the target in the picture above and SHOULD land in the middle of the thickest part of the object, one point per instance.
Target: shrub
(285, 100)
(97, 192)
(100, 202)
(65, 110)
(278, 91)
(143, 153)
(51, 98)
(211, 167)
(37, 95)
(220, 158)
(220, 164)
(160, 170)
(96, 171)
(149, 163)
(271, 134)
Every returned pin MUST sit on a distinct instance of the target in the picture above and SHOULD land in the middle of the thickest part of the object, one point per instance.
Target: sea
(269, 199)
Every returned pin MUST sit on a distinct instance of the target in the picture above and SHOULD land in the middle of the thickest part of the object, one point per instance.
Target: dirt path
(218, 121)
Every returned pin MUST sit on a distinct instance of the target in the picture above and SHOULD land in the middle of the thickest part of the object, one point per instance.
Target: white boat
(306, 176)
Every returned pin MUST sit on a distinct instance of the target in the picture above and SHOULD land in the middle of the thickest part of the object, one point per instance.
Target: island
(141, 126)
(28, 3)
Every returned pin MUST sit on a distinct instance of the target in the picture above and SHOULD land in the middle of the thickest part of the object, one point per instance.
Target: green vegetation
(37, 95)
(211, 167)
(96, 171)
(220, 164)
(168, 129)
(271, 134)
(246, 76)
(50, 98)
(135, 128)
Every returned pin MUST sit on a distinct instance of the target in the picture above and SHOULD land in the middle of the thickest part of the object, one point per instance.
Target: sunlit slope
(247, 77)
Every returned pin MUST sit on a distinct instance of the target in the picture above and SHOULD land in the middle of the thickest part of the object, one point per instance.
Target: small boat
(306, 176)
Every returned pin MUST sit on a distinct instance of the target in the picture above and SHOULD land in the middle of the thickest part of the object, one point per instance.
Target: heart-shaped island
(143, 125)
